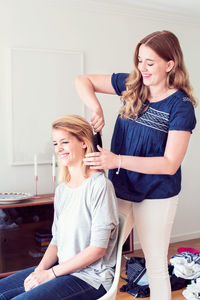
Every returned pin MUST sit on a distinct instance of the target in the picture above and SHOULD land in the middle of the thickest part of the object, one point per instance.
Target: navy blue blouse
(147, 137)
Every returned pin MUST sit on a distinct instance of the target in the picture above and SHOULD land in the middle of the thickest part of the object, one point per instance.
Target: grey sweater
(87, 216)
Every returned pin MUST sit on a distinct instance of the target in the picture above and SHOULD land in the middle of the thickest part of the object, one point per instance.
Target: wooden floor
(176, 295)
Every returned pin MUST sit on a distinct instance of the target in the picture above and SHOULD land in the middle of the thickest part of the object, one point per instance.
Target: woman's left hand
(101, 160)
(37, 277)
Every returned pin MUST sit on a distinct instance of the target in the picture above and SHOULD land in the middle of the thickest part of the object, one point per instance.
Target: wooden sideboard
(18, 247)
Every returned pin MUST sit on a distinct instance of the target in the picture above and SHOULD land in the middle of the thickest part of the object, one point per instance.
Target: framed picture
(128, 246)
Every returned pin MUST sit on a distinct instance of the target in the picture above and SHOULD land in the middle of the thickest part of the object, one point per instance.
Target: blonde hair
(167, 46)
(82, 130)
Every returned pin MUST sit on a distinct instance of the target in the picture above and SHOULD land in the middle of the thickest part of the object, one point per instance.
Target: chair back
(111, 294)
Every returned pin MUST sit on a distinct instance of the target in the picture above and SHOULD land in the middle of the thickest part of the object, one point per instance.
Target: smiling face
(68, 148)
(153, 68)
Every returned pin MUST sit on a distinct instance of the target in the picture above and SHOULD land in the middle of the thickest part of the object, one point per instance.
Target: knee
(157, 266)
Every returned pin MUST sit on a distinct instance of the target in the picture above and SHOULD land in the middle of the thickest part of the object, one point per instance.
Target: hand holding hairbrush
(97, 141)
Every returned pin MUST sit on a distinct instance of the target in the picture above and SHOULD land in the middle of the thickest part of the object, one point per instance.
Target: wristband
(53, 272)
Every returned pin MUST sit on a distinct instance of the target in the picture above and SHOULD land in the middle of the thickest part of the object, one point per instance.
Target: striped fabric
(155, 119)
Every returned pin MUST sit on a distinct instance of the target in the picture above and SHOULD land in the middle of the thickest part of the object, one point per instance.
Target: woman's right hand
(87, 86)
(97, 121)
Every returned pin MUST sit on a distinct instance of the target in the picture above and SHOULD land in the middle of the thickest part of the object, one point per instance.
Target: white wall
(107, 34)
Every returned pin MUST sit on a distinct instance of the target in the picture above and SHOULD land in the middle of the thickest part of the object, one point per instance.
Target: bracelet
(119, 166)
(53, 272)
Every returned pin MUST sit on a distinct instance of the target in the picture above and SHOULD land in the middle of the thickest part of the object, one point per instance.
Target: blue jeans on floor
(60, 288)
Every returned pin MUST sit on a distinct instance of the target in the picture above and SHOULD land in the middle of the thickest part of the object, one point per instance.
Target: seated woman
(79, 262)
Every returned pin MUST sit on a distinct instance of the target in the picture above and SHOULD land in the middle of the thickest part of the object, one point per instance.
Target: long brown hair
(167, 46)
(82, 130)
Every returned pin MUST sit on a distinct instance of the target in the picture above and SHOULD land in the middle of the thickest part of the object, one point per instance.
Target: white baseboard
(185, 237)
(176, 238)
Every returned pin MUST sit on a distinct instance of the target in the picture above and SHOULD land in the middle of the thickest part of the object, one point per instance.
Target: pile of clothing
(184, 271)
(187, 265)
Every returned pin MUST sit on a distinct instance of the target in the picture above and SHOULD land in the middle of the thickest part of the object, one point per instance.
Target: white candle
(35, 165)
(53, 166)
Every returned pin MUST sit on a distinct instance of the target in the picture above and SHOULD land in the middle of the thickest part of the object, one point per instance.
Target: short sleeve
(118, 81)
(182, 116)
(104, 214)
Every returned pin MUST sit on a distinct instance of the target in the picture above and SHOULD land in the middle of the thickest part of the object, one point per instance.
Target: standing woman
(79, 262)
(149, 143)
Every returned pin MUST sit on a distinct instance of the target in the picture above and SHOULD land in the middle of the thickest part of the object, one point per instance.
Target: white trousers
(153, 220)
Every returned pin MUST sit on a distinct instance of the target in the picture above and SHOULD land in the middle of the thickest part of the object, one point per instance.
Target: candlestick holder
(36, 188)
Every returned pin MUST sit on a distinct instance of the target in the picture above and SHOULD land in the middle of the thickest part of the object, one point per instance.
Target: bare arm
(49, 258)
(176, 148)
(84, 258)
(87, 86)
(168, 164)
(44, 272)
